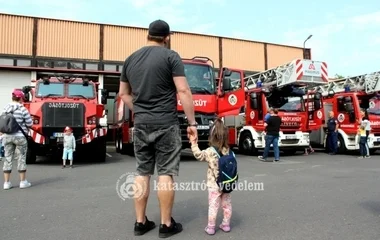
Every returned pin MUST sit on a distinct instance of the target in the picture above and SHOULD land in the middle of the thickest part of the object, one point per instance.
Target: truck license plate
(203, 127)
(58, 135)
(290, 137)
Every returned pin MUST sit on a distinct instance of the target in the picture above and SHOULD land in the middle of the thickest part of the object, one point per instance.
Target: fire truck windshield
(200, 78)
(75, 89)
(293, 104)
(52, 89)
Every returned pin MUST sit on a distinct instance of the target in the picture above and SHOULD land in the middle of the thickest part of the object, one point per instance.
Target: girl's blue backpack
(228, 174)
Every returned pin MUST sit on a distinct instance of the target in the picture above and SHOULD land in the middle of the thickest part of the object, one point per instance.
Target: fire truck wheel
(127, 149)
(246, 144)
(100, 154)
(341, 146)
(117, 145)
(31, 156)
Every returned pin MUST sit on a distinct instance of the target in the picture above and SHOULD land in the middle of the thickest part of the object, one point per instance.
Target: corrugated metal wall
(73, 40)
(16, 35)
(243, 55)
(279, 55)
(68, 39)
(190, 45)
(120, 42)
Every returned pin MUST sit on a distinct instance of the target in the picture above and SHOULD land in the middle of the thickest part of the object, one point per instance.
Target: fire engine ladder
(369, 83)
(281, 76)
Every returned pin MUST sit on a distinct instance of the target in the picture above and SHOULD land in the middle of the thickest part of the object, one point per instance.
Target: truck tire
(31, 156)
(127, 149)
(117, 144)
(246, 144)
(341, 146)
(100, 154)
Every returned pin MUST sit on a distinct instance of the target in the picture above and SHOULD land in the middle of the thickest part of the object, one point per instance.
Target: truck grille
(63, 114)
(203, 134)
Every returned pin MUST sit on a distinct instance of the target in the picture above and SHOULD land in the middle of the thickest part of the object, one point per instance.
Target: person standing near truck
(272, 125)
(332, 134)
(367, 127)
(16, 142)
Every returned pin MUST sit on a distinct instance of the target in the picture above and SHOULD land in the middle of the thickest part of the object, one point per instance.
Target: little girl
(68, 147)
(219, 140)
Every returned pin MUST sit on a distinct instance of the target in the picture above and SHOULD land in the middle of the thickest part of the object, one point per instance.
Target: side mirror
(227, 72)
(317, 101)
(349, 107)
(227, 84)
(26, 91)
(317, 104)
(104, 93)
(253, 101)
(104, 100)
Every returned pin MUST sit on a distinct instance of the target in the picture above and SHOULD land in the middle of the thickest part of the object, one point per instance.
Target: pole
(304, 43)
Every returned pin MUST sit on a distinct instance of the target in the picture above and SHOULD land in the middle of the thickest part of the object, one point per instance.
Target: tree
(338, 76)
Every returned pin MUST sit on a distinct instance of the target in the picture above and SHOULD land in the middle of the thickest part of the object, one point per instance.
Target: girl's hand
(193, 139)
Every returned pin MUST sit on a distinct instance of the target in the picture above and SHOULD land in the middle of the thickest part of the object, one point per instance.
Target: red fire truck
(286, 88)
(346, 97)
(209, 101)
(57, 102)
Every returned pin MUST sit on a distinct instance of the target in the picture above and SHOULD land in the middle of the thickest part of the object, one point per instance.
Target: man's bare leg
(142, 190)
(166, 198)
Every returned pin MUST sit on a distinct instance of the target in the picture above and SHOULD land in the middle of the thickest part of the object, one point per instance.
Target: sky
(346, 35)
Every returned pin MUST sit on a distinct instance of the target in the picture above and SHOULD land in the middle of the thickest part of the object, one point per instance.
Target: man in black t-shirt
(150, 79)
(272, 136)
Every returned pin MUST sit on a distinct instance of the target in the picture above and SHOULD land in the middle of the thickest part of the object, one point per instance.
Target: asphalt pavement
(302, 197)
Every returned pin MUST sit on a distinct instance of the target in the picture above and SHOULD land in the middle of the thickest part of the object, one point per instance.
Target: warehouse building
(32, 47)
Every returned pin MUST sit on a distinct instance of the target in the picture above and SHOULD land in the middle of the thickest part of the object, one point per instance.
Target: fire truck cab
(346, 98)
(57, 102)
(209, 98)
(286, 88)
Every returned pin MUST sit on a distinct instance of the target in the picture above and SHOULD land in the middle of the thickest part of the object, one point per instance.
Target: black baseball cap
(159, 28)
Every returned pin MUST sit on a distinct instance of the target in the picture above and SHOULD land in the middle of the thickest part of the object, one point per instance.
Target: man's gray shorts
(155, 144)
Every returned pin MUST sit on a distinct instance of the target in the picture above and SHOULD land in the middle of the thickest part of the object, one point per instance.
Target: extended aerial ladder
(301, 73)
(368, 83)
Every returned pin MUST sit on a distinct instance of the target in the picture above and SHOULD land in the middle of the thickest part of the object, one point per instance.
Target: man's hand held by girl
(193, 139)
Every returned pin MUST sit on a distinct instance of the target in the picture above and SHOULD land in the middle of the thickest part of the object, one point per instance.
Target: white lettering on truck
(197, 103)
(374, 123)
(63, 105)
(291, 119)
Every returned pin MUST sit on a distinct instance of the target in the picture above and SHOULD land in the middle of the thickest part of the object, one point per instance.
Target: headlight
(91, 120)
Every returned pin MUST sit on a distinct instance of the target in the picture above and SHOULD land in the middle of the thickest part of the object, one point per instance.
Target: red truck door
(231, 95)
(347, 108)
(314, 106)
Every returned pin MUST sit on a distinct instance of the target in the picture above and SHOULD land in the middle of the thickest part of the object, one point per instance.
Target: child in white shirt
(69, 146)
